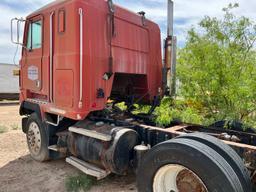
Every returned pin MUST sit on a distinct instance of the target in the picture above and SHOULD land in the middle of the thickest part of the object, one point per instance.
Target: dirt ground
(18, 172)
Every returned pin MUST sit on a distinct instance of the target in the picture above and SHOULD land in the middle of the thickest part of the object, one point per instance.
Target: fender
(27, 108)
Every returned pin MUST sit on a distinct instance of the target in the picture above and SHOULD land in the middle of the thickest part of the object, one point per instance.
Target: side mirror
(15, 22)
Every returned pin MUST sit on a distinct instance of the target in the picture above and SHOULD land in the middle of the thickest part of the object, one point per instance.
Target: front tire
(37, 139)
(184, 165)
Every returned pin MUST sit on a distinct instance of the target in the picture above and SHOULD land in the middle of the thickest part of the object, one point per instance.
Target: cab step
(87, 168)
(57, 148)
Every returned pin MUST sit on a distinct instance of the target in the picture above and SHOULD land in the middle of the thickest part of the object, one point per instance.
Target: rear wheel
(227, 153)
(184, 165)
(37, 139)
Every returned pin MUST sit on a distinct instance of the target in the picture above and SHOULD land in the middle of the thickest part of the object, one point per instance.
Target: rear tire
(199, 163)
(37, 139)
(227, 153)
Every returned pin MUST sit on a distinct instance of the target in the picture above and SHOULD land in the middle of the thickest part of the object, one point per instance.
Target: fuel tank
(113, 155)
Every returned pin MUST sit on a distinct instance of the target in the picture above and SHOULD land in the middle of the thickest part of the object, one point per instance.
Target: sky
(187, 13)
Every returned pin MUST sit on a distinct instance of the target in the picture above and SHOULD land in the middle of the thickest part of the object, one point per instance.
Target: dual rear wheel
(193, 163)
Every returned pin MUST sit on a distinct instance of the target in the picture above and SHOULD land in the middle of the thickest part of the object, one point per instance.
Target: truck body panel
(133, 45)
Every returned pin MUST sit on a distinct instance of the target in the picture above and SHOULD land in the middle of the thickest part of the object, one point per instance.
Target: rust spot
(188, 181)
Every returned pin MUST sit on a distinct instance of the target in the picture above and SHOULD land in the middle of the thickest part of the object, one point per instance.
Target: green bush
(15, 127)
(176, 110)
(79, 183)
(3, 129)
(121, 106)
(217, 68)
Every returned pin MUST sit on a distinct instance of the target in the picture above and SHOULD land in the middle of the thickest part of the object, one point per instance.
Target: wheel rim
(177, 178)
(34, 138)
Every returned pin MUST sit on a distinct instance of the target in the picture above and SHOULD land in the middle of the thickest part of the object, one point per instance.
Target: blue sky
(187, 13)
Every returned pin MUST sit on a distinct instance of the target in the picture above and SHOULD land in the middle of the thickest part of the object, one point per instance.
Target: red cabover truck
(82, 57)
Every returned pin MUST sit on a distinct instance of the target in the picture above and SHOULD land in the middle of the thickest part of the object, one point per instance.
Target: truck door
(32, 76)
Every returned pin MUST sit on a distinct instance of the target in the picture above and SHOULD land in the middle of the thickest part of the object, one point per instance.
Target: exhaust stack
(169, 71)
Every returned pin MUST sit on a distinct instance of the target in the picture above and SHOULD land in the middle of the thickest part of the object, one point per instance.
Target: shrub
(79, 183)
(176, 110)
(217, 67)
(3, 129)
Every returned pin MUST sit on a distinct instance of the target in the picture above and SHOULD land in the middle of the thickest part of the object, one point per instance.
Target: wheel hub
(34, 138)
(176, 178)
(188, 181)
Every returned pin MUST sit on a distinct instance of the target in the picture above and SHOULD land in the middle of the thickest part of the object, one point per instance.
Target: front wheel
(184, 165)
(37, 139)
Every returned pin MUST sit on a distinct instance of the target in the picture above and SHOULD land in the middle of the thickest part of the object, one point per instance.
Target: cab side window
(61, 19)
(34, 40)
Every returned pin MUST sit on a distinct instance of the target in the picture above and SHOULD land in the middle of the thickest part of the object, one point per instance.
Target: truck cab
(78, 54)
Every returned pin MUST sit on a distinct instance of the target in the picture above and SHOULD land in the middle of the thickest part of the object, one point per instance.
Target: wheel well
(27, 108)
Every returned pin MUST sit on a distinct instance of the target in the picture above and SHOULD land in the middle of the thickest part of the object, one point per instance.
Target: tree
(217, 67)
